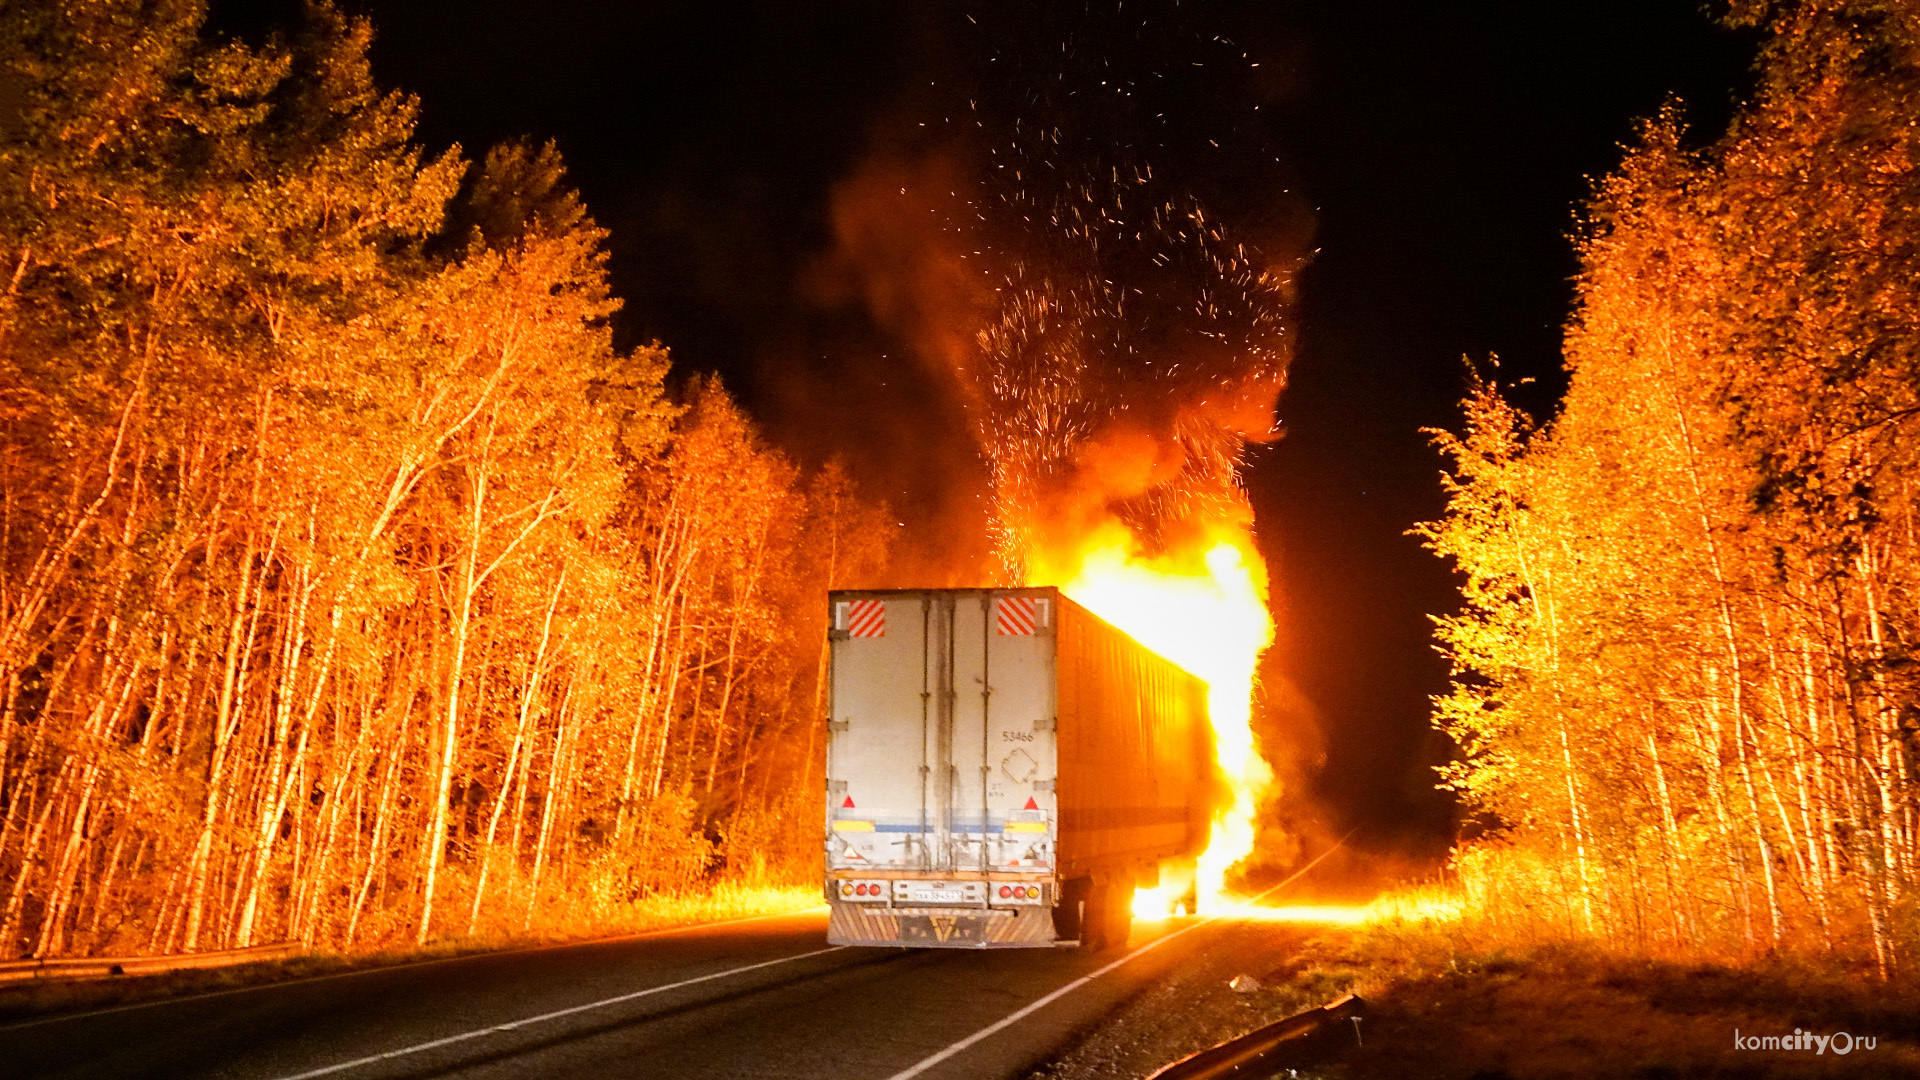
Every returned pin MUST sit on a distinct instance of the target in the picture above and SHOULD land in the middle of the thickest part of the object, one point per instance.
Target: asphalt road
(762, 998)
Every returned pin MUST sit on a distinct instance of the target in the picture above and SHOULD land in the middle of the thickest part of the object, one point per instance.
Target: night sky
(1431, 156)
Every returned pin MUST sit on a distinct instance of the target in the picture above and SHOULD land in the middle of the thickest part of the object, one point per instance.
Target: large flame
(1202, 605)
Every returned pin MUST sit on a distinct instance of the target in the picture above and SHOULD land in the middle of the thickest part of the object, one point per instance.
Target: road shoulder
(1436, 1009)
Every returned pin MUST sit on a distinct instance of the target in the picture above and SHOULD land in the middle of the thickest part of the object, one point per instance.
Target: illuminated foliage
(1684, 664)
(353, 588)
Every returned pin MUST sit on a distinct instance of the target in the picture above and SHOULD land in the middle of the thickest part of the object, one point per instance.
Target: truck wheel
(1095, 923)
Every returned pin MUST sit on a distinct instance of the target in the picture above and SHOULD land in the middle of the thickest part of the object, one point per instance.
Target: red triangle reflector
(848, 805)
(1031, 805)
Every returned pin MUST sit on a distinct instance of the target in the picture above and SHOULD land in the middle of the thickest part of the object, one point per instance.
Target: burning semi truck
(1003, 770)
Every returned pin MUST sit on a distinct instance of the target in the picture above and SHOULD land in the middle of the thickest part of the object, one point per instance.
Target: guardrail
(98, 967)
(1257, 1044)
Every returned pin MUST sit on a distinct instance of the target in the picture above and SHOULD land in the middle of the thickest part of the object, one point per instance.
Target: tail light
(1015, 892)
(862, 891)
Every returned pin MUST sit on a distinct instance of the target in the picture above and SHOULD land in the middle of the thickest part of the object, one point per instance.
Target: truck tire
(1112, 899)
(1097, 922)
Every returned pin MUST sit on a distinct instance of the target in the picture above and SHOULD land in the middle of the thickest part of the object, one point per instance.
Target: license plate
(935, 894)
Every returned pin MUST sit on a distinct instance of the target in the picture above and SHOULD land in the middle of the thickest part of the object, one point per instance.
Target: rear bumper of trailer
(940, 927)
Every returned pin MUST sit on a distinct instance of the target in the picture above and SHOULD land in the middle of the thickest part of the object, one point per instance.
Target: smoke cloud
(1089, 246)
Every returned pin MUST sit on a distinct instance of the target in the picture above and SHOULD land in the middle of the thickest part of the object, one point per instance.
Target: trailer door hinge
(1046, 724)
(836, 725)
(1043, 785)
(836, 787)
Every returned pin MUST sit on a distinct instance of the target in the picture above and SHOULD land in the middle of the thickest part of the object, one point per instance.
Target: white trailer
(1003, 769)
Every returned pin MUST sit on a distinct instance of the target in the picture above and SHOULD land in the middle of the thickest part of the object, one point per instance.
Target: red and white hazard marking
(1020, 616)
(867, 618)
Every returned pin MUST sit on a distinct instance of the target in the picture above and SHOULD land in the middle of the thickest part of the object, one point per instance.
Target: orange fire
(1203, 606)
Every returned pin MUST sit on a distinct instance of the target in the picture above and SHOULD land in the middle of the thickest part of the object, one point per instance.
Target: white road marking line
(1013, 1018)
(377, 969)
(556, 1014)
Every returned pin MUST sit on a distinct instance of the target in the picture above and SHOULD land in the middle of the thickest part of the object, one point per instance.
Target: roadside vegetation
(1452, 995)
(1686, 683)
(355, 590)
(1465, 999)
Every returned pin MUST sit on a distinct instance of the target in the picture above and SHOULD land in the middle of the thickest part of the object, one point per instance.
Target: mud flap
(1070, 915)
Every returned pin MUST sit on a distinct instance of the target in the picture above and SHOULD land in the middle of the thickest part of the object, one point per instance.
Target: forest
(1685, 685)
(355, 590)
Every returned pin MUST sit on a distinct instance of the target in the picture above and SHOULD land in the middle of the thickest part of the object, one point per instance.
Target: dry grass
(1448, 997)
(725, 901)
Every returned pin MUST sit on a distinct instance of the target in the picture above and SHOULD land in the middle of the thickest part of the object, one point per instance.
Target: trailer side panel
(1136, 772)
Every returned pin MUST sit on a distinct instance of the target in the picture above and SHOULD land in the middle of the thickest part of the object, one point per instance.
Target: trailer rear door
(882, 708)
(1003, 730)
(941, 751)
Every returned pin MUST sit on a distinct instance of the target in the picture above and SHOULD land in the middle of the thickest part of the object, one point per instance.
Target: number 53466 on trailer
(1003, 769)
